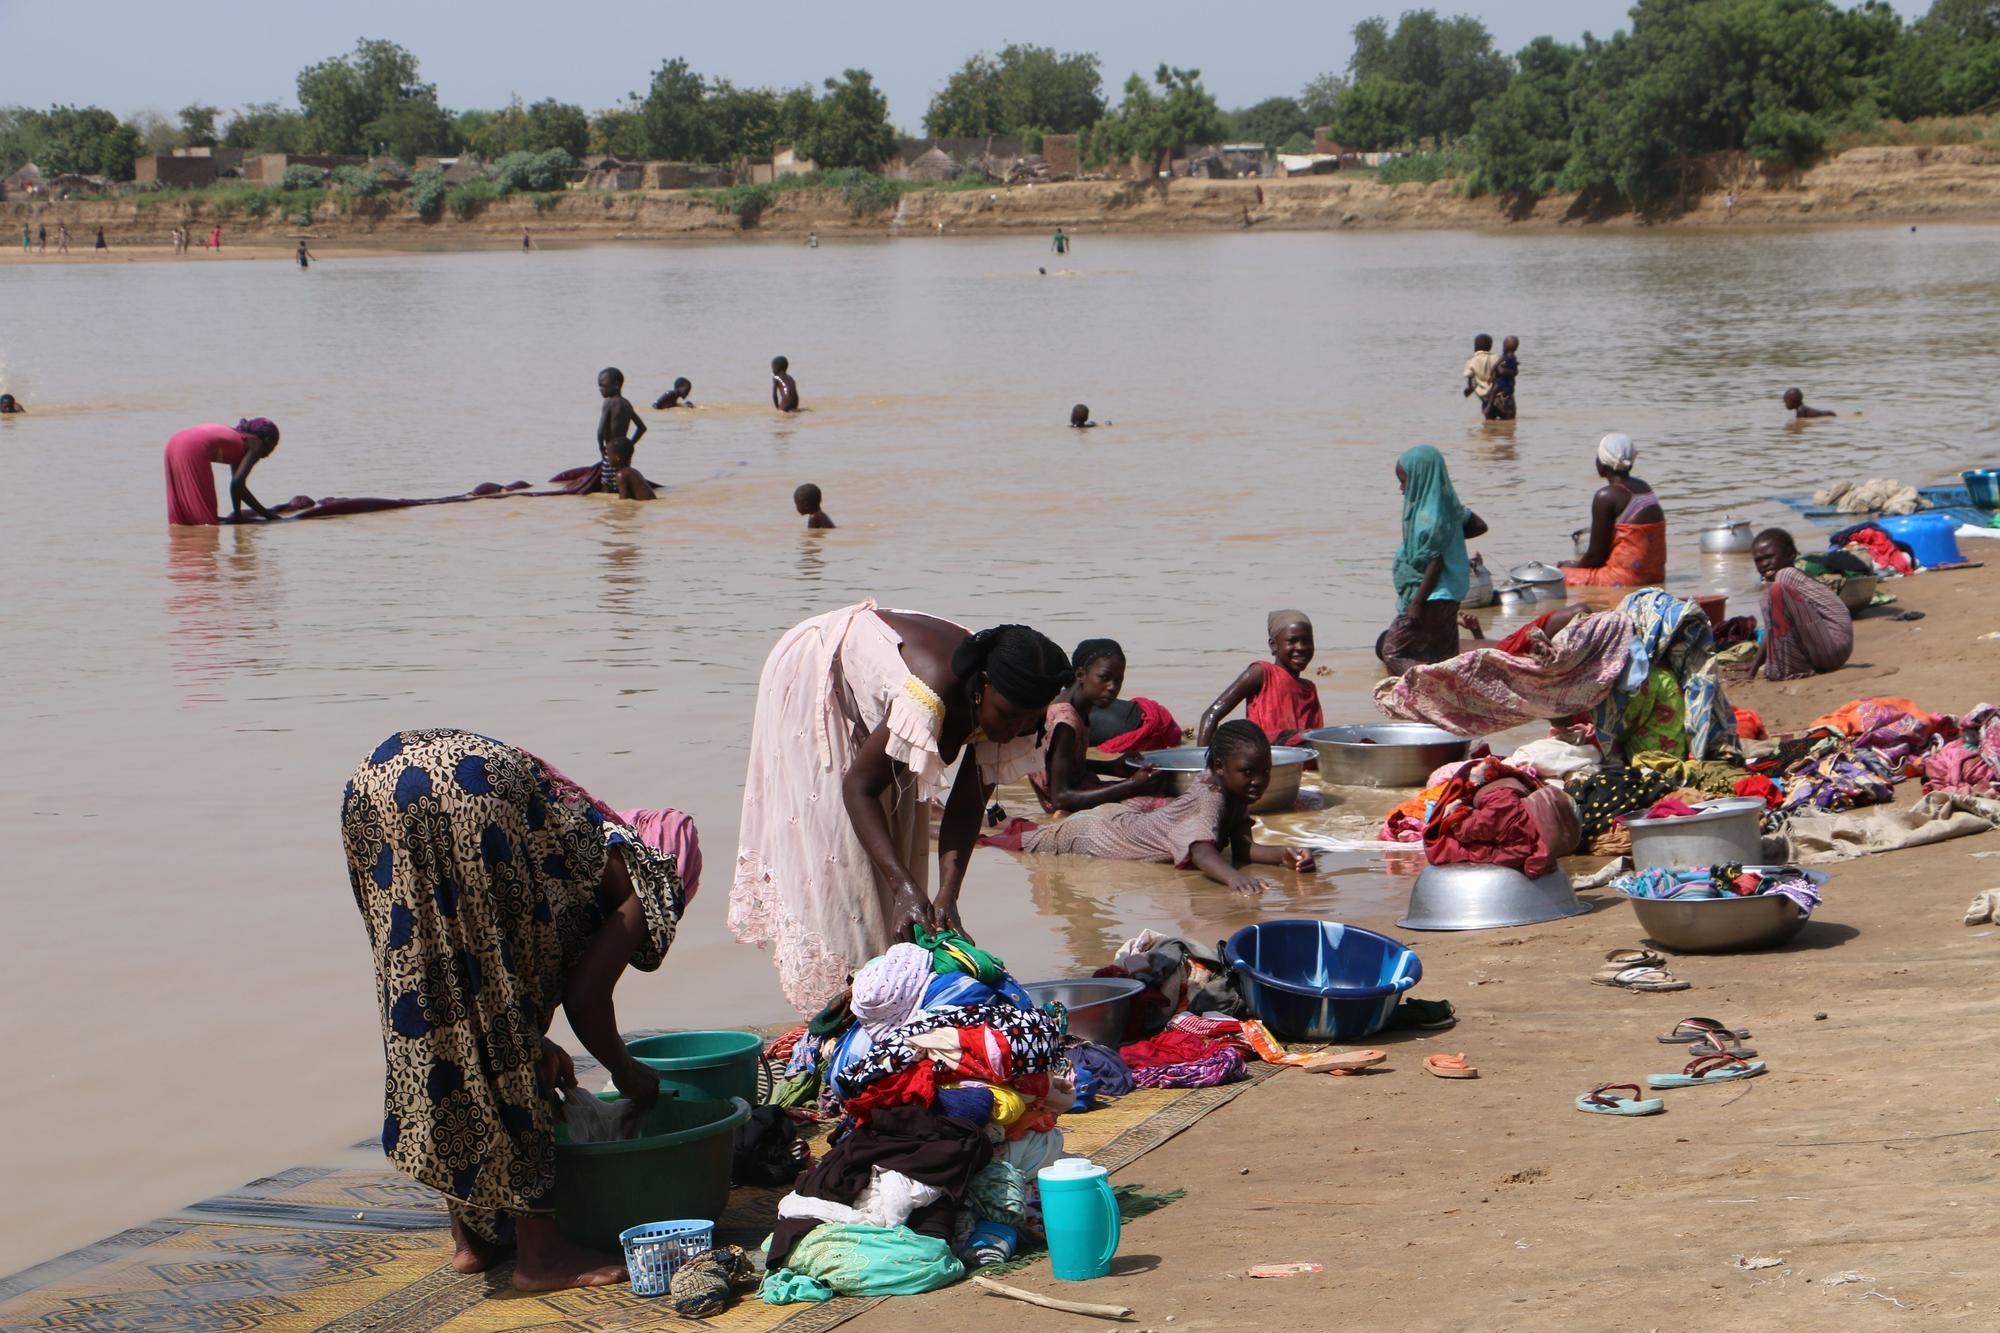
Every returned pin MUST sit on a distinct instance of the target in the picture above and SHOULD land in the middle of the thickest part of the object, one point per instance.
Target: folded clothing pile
(1971, 762)
(1703, 882)
(1877, 495)
(1491, 814)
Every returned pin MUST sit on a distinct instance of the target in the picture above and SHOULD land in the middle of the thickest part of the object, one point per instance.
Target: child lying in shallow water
(1208, 829)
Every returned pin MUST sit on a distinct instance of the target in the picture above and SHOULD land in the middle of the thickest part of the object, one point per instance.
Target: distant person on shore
(527, 243)
(62, 238)
(1276, 694)
(1807, 628)
(1479, 368)
(1729, 206)
(1079, 418)
(1061, 242)
(678, 396)
(174, 236)
(1500, 403)
(806, 499)
(1795, 403)
(812, 240)
(27, 239)
(100, 239)
(615, 421)
(10, 405)
(215, 237)
(193, 453)
(784, 389)
(627, 483)
(42, 238)
(305, 256)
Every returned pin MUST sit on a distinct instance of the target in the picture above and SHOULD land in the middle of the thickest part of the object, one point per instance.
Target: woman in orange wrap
(1628, 529)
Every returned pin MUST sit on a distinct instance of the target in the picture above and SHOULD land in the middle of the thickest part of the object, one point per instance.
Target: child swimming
(627, 483)
(1079, 418)
(678, 396)
(806, 499)
(1278, 698)
(1070, 780)
(784, 389)
(1208, 829)
(614, 420)
(1795, 403)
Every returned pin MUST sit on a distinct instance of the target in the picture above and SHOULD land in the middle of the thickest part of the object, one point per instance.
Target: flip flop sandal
(1452, 1066)
(1701, 1029)
(1640, 979)
(1620, 959)
(1708, 1069)
(1711, 1046)
(1343, 1062)
(1599, 1101)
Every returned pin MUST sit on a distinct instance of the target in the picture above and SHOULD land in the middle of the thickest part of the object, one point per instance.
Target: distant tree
(156, 134)
(745, 121)
(371, 99)
(490, 134)
(23, 137)
(1420, 80)
(850, 125)
(968, 106)
(1271, 121)
(1951, 62)
(531, 171)
(1149, 125)
(1023, 88)
(619, 131)
(1319, 98)
(266, 127)
(88, 140)
(410, 127)
(1377, 113)
(552, 124)
(1521, 139)
(676, 115)
(198, 125)
(1297, 143)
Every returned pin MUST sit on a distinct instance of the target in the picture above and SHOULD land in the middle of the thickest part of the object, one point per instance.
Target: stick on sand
(1051, 1303)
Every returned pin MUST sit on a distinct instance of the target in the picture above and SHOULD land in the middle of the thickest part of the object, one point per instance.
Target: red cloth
(1882, 549)
(916, 1084)
(1487, 815)
(1759, 785)
(1284, 704)
(1172, 1047)
(1670, 809)
(1008, 839)
(1517, 642)
(1157, 730)
(1749, 726)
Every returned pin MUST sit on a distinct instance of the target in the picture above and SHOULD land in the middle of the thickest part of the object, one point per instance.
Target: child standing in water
(1209, 829)
(1500, 403)
(1479, 368)
(675, 397)
(615, 421)
(627, 483)
(806, 500)
(784, 389)
(306, 256)
(1278, 697)
(1070, 780)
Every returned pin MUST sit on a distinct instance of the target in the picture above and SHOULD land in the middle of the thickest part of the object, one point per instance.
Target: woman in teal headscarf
(1432, 569)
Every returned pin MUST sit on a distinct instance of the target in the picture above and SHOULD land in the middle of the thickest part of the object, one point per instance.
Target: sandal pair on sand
(1638, 970)
(1354, 1062)
(1713, 1063)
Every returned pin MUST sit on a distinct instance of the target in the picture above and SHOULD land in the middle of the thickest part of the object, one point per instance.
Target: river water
(187, 999)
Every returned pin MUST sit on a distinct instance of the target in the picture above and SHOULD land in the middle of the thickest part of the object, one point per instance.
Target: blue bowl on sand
(1983, 485)
(1931, 537)
(1321, 980)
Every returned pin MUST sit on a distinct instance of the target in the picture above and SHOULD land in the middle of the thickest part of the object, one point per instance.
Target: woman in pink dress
(191, 457)
(863, 721)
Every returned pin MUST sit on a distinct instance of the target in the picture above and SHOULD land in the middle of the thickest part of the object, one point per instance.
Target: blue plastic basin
(1983, 485)
(1321, 980)
(1929, 537)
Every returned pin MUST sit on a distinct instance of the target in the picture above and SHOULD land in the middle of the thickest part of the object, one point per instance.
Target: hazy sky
(130, 56)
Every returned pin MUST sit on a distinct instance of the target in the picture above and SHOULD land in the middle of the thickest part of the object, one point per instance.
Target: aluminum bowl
(1537, 573)
(1180, 767)
(1477, 897)
(1722, 925)
(1729, 536)
(1857, 591)
(1385, 754)
(1098, 1006)
(1728, 831)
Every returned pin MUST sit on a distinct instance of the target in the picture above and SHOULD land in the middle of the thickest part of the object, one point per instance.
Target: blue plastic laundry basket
(654, 1251)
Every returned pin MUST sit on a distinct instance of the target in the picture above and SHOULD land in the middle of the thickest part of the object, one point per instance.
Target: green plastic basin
(677, 1167)
(712, 1066)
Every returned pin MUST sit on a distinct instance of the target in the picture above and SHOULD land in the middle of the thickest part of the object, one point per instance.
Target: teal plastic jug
(1080, 1214)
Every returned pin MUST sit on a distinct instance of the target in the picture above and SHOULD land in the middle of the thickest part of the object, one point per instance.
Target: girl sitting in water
(1277, 696)
(1070, 779)
(1208, 829)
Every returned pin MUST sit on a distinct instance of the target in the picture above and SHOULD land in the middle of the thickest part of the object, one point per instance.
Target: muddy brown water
(187, 998)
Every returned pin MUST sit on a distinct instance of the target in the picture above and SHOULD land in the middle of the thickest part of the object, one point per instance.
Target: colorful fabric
(1807, 628)
(1168, 1048)
(1156, 730)
(669, 831)
(889, 989)
(1132, 831)
(999, 1193)
(1114, 1076)
(1655, 719)
(191, 457)
(952, 952)
(1638, 559)
(1490, 814)
(1223, 1065)
(1761, 787)
(1841, 779)
(1284, 705)
(838, 1260)
(1673, 633)
(987, 1043)
(1749, 726)
(1433, 529)
(1486, 690)
(1421, 636)
(1711, 777)
(1858, 715)
(480, 886)
(1613, 792)
(805, 888)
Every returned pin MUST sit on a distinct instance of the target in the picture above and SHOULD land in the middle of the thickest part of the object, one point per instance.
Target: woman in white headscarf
(1628, 529)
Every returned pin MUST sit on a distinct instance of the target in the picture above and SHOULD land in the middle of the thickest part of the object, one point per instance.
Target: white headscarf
(1617, 452)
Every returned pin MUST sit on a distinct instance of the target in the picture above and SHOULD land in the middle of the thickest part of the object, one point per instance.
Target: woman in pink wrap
(192, 453)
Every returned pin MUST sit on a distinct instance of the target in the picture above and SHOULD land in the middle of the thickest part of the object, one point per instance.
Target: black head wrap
(1024, 666)
(263, 428)
(1233, 738)
(1095, 650)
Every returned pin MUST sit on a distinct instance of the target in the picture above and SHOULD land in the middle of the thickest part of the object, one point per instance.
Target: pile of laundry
(1691, 883)
(948, 1084)
(1877, 495)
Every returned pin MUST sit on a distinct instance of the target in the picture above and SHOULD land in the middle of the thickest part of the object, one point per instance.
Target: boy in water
(627, 483)
(1079, 418)
(614, 421)
(9, 406)
(306, 256)
(1479, 369)
(676, 396)
(1795, 403)
(1500, 403)
(784, 389)
(806, 500)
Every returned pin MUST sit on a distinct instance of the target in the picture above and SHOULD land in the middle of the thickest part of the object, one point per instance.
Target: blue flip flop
(1723, 1068)
(1598, 1101)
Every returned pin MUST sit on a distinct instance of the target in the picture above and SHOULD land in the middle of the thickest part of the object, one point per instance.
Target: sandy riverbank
(1492, 1204)
(1863, 186)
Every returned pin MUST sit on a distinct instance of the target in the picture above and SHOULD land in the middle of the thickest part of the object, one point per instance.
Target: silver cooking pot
(1727, 536)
